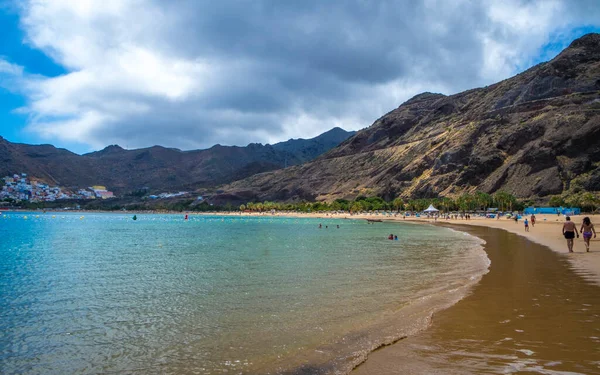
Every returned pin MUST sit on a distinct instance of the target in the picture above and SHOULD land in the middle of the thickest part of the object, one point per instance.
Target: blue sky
(34, 61)
(83, 74)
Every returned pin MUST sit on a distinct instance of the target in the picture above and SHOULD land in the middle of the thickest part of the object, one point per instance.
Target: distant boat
(375, 220)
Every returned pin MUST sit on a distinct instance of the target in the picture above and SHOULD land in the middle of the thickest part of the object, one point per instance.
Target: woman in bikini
(569, 230)
(587, 229)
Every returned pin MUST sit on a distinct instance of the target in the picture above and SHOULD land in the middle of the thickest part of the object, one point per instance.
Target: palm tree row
(466, 202)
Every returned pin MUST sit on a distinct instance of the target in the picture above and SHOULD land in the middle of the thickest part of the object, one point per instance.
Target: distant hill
(534, 135)
(160, 168)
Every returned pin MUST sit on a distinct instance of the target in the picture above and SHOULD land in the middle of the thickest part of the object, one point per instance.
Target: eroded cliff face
(530, 135)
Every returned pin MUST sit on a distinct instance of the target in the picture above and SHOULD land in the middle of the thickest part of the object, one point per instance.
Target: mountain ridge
(534, 134)
(156, 167)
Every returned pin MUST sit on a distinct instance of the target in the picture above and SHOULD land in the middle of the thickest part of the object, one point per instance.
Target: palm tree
(504, 200)
(590, 201)
(446, 203)
(398, 204)
(556, 201)
(483, 200)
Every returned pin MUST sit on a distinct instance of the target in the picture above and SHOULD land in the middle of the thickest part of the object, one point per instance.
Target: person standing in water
(569, 230)
(587, 229)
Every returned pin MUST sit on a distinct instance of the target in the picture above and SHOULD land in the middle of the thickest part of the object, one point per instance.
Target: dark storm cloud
(192, 73)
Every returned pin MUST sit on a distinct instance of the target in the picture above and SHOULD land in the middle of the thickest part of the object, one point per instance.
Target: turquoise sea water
(101, 293)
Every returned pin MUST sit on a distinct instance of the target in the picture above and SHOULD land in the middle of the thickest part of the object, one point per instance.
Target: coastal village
(19, 187)
(24, 188)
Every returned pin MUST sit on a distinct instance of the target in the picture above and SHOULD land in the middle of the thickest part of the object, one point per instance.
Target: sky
(84, 74)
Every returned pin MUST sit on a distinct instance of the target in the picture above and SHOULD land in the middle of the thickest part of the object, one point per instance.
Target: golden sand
(530, 314)
(548, 232)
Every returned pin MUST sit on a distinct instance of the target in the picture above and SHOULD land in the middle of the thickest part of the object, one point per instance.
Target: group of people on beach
(526, 222)
(587, 230)
(569, 231)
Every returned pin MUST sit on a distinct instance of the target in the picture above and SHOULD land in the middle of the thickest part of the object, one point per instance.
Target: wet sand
(548, 232)
(530, 314)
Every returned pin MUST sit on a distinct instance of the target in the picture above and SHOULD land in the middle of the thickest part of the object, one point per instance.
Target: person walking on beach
(587, 229)
(526, 225)
(569, 230)
(532, 220)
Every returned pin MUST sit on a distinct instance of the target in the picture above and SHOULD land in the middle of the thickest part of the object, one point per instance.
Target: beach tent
(431, 209)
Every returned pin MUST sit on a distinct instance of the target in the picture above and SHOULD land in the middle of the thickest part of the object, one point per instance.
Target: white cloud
(191, 74)
(10, 69)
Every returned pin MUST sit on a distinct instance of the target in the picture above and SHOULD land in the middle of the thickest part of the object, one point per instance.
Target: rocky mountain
(160, 168)
(533, 135)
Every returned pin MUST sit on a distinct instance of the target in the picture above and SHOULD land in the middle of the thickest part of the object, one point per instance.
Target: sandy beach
(530, 314)
(537, 310)
(548, 232)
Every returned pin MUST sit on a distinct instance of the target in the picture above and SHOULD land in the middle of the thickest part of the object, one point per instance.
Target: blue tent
(552, 210)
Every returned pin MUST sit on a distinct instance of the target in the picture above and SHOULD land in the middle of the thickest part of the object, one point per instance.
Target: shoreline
(545, 232)
(548, 234)
(531, 313)
(414, 315)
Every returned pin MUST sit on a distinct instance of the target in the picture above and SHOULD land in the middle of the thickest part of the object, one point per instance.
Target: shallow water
(530, 314)
(101, 293)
